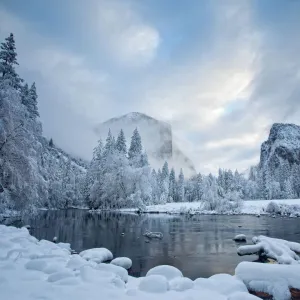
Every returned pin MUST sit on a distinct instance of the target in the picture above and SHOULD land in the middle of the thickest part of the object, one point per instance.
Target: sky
(221, 72)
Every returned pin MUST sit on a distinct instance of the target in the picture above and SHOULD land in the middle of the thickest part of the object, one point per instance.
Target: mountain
(282, 146)
(157, 139)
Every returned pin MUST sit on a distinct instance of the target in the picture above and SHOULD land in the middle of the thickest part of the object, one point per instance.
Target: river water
(199, 245)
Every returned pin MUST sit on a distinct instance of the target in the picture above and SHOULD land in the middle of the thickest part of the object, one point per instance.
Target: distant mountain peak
(157, 139)
(135, 117)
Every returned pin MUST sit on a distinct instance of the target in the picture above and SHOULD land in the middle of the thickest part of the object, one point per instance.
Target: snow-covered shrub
(273, 208)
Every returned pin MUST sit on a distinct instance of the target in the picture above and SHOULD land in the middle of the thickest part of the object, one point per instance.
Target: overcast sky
(220, 72)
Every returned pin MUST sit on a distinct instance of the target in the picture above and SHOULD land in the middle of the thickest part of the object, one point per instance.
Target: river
(198, 245)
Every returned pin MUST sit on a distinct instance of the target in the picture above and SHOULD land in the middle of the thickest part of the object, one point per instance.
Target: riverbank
(283, 207)
(32, 269)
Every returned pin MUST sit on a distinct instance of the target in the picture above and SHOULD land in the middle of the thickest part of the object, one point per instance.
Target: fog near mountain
(157, 137)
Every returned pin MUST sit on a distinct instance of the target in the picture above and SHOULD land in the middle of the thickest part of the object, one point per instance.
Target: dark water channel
(199, 246)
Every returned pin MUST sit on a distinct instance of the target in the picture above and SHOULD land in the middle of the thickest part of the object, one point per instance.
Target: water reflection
(200, 246)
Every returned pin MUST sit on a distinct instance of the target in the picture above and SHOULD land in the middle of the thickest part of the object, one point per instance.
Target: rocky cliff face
(156, 138)
(282, 146)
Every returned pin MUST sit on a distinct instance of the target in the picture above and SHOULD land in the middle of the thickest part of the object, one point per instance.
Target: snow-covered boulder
(168, 272)
(36, 264)
(273, 279)
(101, 277)
(180, 284)
(154, 284)
(54, 267)
(97, 255)
(282, 251)
(123, 262)
(224, 284)
(118, 271)
(240, 238)
(60, 275)
(153, 235)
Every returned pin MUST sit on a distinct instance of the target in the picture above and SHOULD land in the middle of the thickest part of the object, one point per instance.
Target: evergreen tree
(8, 60)
(180, 187)
(51, 144)
(25, 95)
(135, 149)
(172, 186)
(144, 160)
(32, 107)
(165, 171)
(121, 143)
(109, 145)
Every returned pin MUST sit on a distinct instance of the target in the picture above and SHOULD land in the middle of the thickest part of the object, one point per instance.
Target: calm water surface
(199, 246)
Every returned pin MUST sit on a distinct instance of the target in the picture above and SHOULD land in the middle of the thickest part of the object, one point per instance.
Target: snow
(153, 235)
(118, 271)
(181, 284)
(224, 284)
(168, 272)
(240, 238)
(123, 262)
(287, 207)
(97, 255)
(282, 251)
(273, 279)
(243, 296)
(32, 269)
(154, 284)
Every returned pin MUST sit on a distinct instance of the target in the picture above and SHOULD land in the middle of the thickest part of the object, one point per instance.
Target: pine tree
(8, 60)
(180, 186)
(165, 171)
(121, 143)
(25, 95)
(51, 144)
(144, 160)
(135, 149)
(32, 107)
(109, 145)
(288, 189)
(172, 185)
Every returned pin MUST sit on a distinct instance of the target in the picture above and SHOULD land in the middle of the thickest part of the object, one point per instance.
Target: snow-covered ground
(31, 269)
(287, 207)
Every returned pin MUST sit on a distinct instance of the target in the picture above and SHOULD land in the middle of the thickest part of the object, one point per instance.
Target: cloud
(221, 96)
(126, 34)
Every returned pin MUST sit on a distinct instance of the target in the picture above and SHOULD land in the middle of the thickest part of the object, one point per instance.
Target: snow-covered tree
(121, 143)
(8, 61)
(180, 187)
(135, 149)
(172, 186)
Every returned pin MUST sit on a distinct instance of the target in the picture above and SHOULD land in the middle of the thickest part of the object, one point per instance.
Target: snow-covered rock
(224, 284)
(154, 284)
(169, 272)
(60, 275)
(153, 235)
(181, 284)
(36, 264)
(123, 262)
(273, 279)
(283, 144)
(240, 238)
(97, 255)
(119, 271)
(282, 251)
